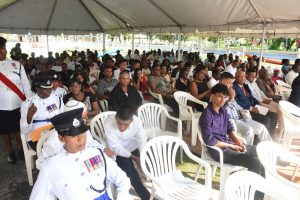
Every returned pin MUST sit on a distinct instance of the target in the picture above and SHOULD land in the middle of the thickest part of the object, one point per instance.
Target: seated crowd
(66, 93)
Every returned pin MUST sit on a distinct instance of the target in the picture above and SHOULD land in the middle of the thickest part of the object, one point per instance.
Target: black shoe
(11, 158)
(21, 155)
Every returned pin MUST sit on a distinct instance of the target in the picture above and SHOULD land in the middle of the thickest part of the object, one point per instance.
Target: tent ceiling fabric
(159, 16)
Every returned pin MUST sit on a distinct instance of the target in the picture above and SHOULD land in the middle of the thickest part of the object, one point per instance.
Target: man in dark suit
(246, 100)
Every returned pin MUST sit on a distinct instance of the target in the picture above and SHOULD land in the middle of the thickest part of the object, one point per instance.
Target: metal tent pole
(261, 47)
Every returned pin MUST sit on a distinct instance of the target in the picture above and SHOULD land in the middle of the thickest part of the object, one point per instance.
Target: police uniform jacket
(79, 176)
(46, 108)
(15, 72)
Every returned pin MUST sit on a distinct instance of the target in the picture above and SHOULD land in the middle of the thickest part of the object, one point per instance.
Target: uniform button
(76, 159)
(98, 174)
(66, 185)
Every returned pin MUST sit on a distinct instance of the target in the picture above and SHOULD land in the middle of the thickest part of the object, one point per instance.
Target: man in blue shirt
(218, 131)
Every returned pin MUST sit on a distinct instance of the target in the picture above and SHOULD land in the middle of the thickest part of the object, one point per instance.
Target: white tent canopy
(159, 16)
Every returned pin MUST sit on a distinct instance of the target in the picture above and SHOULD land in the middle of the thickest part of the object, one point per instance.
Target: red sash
(12, 86)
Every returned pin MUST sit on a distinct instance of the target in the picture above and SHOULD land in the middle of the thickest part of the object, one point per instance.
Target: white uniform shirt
(70, 176)
(53, 145)
(11, 69)
(60, 92)
(230, 69)
(123, 143)
(46, 108)
(256, 92)
(290, 76)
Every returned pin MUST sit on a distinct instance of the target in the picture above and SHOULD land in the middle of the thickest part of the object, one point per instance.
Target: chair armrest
(195, 100)
(218, 149)
(206, 165)
(179, 123)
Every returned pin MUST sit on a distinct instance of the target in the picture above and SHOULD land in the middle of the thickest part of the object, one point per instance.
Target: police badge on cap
(43, 81)
(69, 123)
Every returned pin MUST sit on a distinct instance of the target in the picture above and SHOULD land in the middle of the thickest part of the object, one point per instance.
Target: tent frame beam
(164, 12)
(9, 5)
(113, 13)
(257, 11)
(91, 15)
(51, 14)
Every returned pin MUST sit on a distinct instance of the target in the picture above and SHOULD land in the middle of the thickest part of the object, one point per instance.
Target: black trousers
(269, 120)
(126, 164)
(248, 159)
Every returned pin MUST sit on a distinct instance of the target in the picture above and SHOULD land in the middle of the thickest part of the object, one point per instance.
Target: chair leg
(29, 169)
(194, 132)
(223, 177)
(181, 155)
(198, 171)
(188, 126)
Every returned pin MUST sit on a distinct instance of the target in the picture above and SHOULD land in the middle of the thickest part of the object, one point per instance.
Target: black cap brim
(75, 131)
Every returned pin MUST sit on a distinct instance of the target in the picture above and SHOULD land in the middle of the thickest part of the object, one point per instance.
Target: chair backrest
(26, 148)
(103, 105)
(290, 112)
(182, 99)
(268, 154)
(150, 114)
(204, 151)
(44, 136)
(97, 125)
(242, 185)
(157, 96)
(159, 154)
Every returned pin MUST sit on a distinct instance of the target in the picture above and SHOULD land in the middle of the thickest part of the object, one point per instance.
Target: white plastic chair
(44, 136)
(160, 99)
(103, 105)
(268, 154)
(225, 169)
(291, 122)
(161, 102)
(283, 89)
(28, 154)
(186, 112)
(150, 114)
(97, 126)
(158, 164)
(243, 185)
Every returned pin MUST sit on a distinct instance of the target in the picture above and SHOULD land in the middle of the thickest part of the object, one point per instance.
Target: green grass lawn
(189, 169)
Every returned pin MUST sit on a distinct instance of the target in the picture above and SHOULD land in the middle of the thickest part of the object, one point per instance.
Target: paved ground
(13, 178)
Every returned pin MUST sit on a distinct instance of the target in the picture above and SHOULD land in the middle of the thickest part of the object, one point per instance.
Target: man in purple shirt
(218, 131)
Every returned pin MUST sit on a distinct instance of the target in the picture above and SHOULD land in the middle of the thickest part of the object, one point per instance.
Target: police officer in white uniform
(53, 145)
(37, 110)
(14, 74)
(78, 171)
